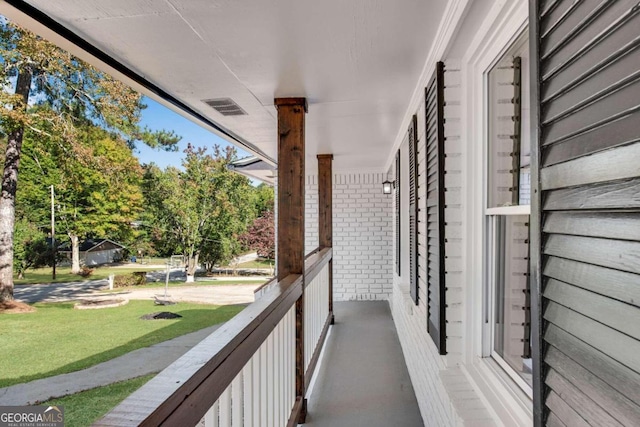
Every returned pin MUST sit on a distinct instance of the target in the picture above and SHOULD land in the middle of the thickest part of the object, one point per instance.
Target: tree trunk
(208, 266)
(192, 265)
(75, 254)
(8, 195)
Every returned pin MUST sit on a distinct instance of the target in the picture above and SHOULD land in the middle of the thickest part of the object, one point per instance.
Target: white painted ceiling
(356, 61)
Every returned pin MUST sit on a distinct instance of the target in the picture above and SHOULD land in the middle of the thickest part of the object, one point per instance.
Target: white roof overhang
(356, 61)
(256, 168)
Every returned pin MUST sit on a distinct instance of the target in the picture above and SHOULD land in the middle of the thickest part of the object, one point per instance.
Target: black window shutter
(585, 212)
(397, 189)
(413, 208)
(517, 134)
(435, 205)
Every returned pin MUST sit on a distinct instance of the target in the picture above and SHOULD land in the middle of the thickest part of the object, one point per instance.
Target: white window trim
(488, 353)
(489, 302)
(526, 388)
(509, 210)
(504, 23)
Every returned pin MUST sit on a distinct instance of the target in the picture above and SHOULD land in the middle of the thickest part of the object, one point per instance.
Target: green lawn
(63, 274)
(84, 408)
(58, 339)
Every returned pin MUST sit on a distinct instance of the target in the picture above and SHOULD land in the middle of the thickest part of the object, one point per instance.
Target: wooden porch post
(290, 255)
(325, 214)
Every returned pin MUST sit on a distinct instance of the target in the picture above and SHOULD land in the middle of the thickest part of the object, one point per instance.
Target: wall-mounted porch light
(387, 186)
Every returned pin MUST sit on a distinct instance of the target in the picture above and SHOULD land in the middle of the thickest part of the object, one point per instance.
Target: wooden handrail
(264, 285)
(315, 262)
(184, 391)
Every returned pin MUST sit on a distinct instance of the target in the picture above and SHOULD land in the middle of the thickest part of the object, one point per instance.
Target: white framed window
(506, 214)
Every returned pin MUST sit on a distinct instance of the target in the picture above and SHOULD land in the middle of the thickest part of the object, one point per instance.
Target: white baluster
(247, 392)
(277, 374)
(236, 401)
(269, 419)
(263, 384)
(225, 408)
(307, 306)
(257, 388)
(289, 343)
(211, 417)
(292, 365)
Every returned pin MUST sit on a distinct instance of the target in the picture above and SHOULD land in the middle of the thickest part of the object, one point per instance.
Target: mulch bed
(15, 307)
(161, 315)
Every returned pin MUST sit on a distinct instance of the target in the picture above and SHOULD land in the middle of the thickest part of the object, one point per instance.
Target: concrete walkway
(139, 362)
(363, 379)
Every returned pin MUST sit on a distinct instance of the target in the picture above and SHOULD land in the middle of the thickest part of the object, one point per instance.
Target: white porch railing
(243, 374)
(316, 312)
(263, 393)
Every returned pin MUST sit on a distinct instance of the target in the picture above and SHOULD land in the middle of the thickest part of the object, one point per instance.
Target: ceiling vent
(225, 106)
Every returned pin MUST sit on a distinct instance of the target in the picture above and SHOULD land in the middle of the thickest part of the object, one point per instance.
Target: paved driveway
(94, 289)
(57, 292)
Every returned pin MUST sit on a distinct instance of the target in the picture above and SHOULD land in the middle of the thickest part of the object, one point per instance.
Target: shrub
(85, 272)
(128, 280)
(118, 257)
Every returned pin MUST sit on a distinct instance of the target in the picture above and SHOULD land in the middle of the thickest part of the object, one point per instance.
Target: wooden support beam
(290, 252)
(291, 115)
(325, 214)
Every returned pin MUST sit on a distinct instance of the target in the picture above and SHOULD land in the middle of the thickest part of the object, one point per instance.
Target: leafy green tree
(66, 94)
(31, 248)
(199, 211)
(264, 199)
(97, 194)
(157, 184)
(100, 197)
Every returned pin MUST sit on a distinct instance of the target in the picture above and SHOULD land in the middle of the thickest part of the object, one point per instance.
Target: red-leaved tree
(261, 236)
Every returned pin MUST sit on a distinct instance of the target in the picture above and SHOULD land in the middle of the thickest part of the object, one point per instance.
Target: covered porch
(293, 356)
(362, 379)
(501, 125)
(302, 120)
(354, 374)
(325, 108)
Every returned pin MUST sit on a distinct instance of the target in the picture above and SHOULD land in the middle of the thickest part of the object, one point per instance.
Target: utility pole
(53, 232)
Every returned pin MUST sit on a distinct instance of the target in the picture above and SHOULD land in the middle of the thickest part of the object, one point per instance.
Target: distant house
(96, 251)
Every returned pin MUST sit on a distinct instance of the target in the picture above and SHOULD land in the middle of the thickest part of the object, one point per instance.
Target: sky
(157, 117)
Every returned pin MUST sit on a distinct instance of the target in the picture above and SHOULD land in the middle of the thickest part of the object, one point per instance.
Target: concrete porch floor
(363, 379)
